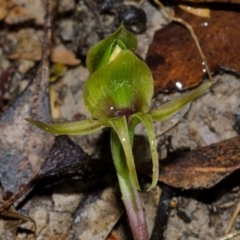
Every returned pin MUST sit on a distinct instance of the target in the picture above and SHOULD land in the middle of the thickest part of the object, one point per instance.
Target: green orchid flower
(118, 93)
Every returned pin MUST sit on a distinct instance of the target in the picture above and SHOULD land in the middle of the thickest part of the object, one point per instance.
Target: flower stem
(130, 195)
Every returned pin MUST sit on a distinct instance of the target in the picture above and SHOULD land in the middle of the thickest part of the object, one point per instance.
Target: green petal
(120, 127)
(121, 88)
(71, 128)
(166, 110)
(99, 55)
(148, 123)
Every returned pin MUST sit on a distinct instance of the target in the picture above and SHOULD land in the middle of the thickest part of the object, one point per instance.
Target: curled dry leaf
(201, 168)
(173, 56)
(65, 158)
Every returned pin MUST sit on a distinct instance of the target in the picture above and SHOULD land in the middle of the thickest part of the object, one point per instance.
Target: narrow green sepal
(148, 123)
(83, 127)
(99, 55)
(120, 127)
(168, 109)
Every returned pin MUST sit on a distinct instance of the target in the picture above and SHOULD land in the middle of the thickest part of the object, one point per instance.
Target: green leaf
(148, 123)
(122, 87)
(100, 54)
(71, 128)
(120, 127)
(168, 109)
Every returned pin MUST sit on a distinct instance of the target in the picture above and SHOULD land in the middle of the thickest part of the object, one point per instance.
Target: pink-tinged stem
(130, 195)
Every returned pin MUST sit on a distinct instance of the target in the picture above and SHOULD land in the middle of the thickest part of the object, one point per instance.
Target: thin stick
(160, 223)
(16, 196)
(168, 15)
(233, 218)
(230, 236)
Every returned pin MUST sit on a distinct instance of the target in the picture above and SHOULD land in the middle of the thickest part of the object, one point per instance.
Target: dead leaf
(201, 168)
(65, 159)
(22, 146)
(173, 56)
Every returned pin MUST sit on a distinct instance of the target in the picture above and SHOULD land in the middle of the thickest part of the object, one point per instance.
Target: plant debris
(173, 56)
(200, 168)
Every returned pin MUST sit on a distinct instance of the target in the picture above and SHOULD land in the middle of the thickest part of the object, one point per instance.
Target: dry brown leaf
(201, 168)
(173, 56)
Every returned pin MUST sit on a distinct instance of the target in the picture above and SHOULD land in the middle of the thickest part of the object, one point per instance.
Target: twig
(233, 218)
(230, 236)
(189, 27)
(162, 214)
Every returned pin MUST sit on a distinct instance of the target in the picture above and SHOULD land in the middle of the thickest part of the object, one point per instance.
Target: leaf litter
(174, 57)
(210, 120)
